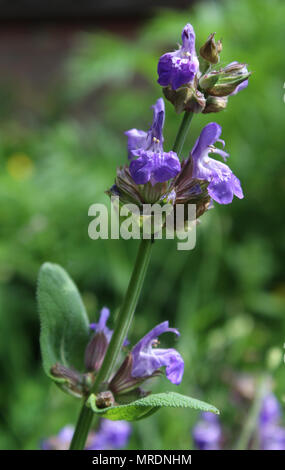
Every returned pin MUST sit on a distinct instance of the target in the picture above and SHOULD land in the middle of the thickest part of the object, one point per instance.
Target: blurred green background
(58, 153)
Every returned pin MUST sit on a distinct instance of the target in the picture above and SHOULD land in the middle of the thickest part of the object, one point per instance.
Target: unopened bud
(210, 50)
(223, 82)
(186, 98)
(105, 399)
(125, 188)
(215, 104)
(95, 351)
(73, 381)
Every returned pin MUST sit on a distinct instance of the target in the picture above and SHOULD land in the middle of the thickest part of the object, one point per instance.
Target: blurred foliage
(227, 296)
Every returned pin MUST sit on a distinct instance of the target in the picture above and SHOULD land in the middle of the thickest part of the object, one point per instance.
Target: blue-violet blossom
(110, 435)
(223, 184)
(271, 434)
(179, 67)
(152, 164)
(101, 326)
(147, 358)
(207, 432)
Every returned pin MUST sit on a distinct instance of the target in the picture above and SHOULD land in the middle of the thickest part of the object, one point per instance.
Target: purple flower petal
(147, 359)
(239, 88)
(152, 164)
(188, 38)
(158, 120)
(102, 323)
(223, 184)
(141, 168)
(136, 139)
(179, 68)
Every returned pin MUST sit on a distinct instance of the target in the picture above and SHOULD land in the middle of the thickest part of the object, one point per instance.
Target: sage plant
(89, 361)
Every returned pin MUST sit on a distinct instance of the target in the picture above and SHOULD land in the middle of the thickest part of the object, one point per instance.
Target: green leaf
(64, 322)
(148, 405)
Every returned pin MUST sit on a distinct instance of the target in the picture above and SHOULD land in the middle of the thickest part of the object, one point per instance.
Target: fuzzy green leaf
(146, 406)
(64, 322)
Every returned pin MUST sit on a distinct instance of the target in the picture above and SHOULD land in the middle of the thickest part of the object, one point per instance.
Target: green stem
(125, 314)
(182, 133)
(82, 428)
(122, 325)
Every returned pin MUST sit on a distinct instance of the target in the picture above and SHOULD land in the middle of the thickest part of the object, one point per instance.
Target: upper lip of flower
(152, 164)
(179, 67)
(148, 359)
(153, 139)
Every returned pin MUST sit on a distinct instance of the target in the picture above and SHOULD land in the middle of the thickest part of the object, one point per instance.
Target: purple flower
(147, 358)
(110, 435)
(101, 326)
(271, 434)
(59, 442)
(207, 432)
(179, 67)
(223, 184)
(272, 437)
(270, 412)
(152, 164)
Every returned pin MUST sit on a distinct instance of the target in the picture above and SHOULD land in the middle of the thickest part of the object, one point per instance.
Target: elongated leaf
(64, 322)
(148, 405)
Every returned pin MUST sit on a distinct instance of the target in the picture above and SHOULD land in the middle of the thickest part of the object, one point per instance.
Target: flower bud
(105, 399)
(223, 82)
(186, 98)
(214, 104)
(210, 50)
(125, 188)
(95, 351)
(73, 382)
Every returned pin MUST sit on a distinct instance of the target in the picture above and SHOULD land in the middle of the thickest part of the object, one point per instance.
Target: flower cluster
(158, 176)
(141, 363)
(111, 435)
(199, 85)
